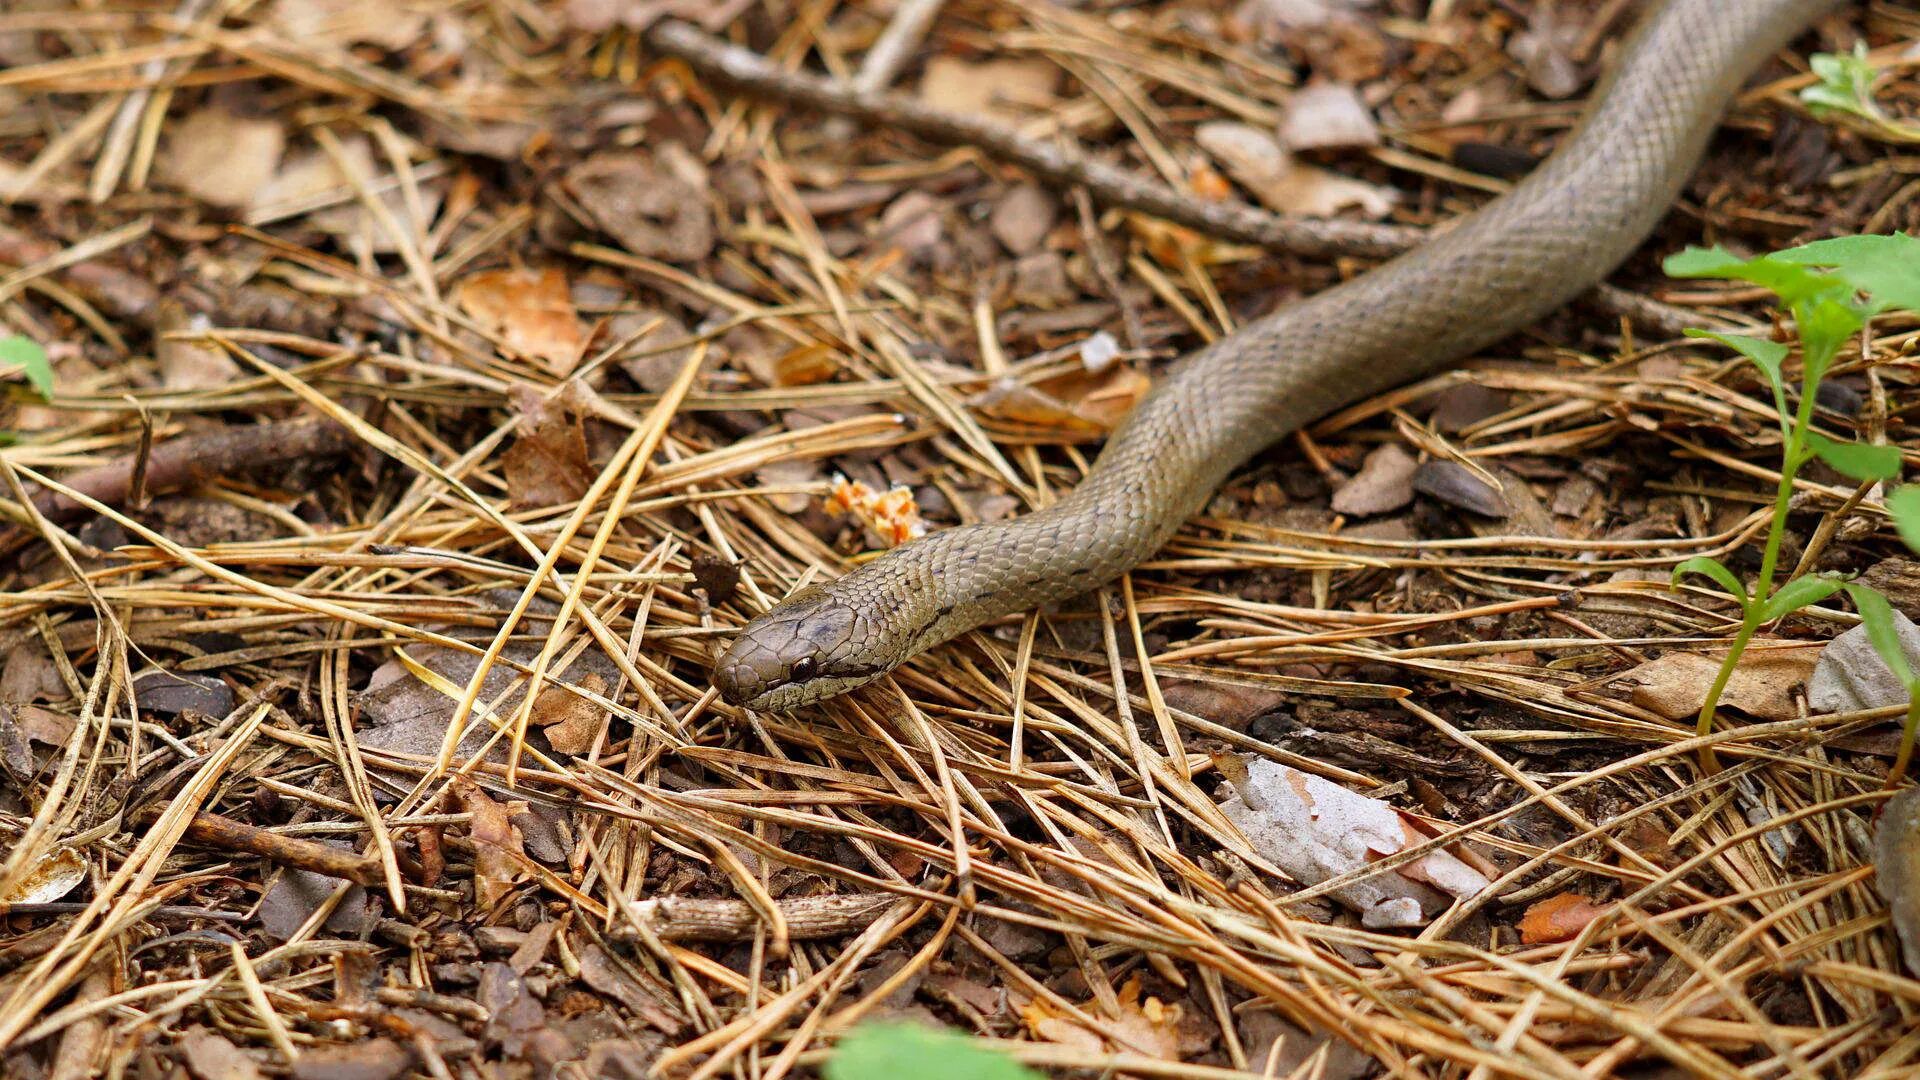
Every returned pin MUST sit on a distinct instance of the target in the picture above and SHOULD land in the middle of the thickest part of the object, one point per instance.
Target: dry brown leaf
(221, 158)
(56, 874)
(1258, 162)
(571, 722)
(1762, 686)
(1149, 1026)
(547, 464)
(212, 1056)
(1559, 918)
(1005, 90)
(531, 310)
(645, 205)
(381, 23)
(497, 846)
(1316, 830)
(1077, 403)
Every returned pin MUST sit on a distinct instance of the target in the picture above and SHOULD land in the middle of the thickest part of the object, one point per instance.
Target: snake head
(812, 646)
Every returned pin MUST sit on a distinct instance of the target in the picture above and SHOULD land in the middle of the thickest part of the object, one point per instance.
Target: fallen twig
(1067, 166)
(194, 459)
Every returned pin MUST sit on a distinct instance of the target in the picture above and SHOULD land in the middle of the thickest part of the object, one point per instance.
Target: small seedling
(28, 358)
(892, 1051)
(1831, 288)
(1845, 90)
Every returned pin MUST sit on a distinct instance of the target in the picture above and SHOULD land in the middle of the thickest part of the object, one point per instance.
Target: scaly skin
(1549, 239)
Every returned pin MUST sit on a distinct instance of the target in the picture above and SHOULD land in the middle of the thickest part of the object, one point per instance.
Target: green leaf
(1886, 268)
(1904, 504)
(1794, 283)
(1797, 594)
(1825, 325)
(1877, 615)
(1766, 355)
(31, 359)
(1858, 461)
(1707, 566)
(892, 1051)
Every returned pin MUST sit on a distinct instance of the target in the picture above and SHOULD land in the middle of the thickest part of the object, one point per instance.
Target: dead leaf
(571, 722)
(56, 874)
(1008, 91)
(547, 464)
(1258, 162)
(380, 23)
(531, 310)
(1896, 860)
(1383, 484)
(652, 212)
(1023, 217)
(1762, 686)
(1327, 115)
(1077, 403)
(221, 158)
(212, 1056)
(1559, 918)
(372, 1059)
(1149, 1026)
(186, 364)
(1316, 830)
(497, 847)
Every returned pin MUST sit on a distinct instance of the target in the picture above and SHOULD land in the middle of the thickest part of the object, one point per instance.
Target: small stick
(193, 459)
(225, 834)
(1066, 165)
(685, 918)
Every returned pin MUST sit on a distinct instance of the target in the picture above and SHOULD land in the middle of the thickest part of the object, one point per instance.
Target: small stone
(1023, 217)
(1851, 676)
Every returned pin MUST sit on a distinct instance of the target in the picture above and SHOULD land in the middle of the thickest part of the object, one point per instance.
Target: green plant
(1845, 89)
(30, 360)
(891, 1051)
(1831, 288)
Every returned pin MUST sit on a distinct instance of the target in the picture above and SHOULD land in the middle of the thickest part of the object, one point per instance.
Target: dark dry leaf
(297, 894)
(547, 464)
(1022, 218)
(212, 1056)
(1896, 859)
(495, 842)
(644, 206)
(1454, 484)
(171, 693)
(719, 577)
(571, 722)
(372, 1059)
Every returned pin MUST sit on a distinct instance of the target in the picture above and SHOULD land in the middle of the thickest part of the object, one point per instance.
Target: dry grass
(1032, 774)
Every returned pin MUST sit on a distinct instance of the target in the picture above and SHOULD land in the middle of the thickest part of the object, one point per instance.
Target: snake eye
(802, 669)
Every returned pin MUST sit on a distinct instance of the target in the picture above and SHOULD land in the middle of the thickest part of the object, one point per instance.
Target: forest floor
(438, 385)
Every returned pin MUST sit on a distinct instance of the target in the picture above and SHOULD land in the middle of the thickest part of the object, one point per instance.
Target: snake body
(1550, 238)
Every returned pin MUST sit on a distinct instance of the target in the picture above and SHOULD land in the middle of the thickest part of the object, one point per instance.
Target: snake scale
(1553, 236)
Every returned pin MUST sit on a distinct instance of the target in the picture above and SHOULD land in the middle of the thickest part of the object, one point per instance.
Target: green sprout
(888, 1051)
(1845, 91)
(29, 359)
(1831, 288)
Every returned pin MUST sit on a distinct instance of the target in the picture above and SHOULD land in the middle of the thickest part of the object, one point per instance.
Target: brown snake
(1518, 258)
